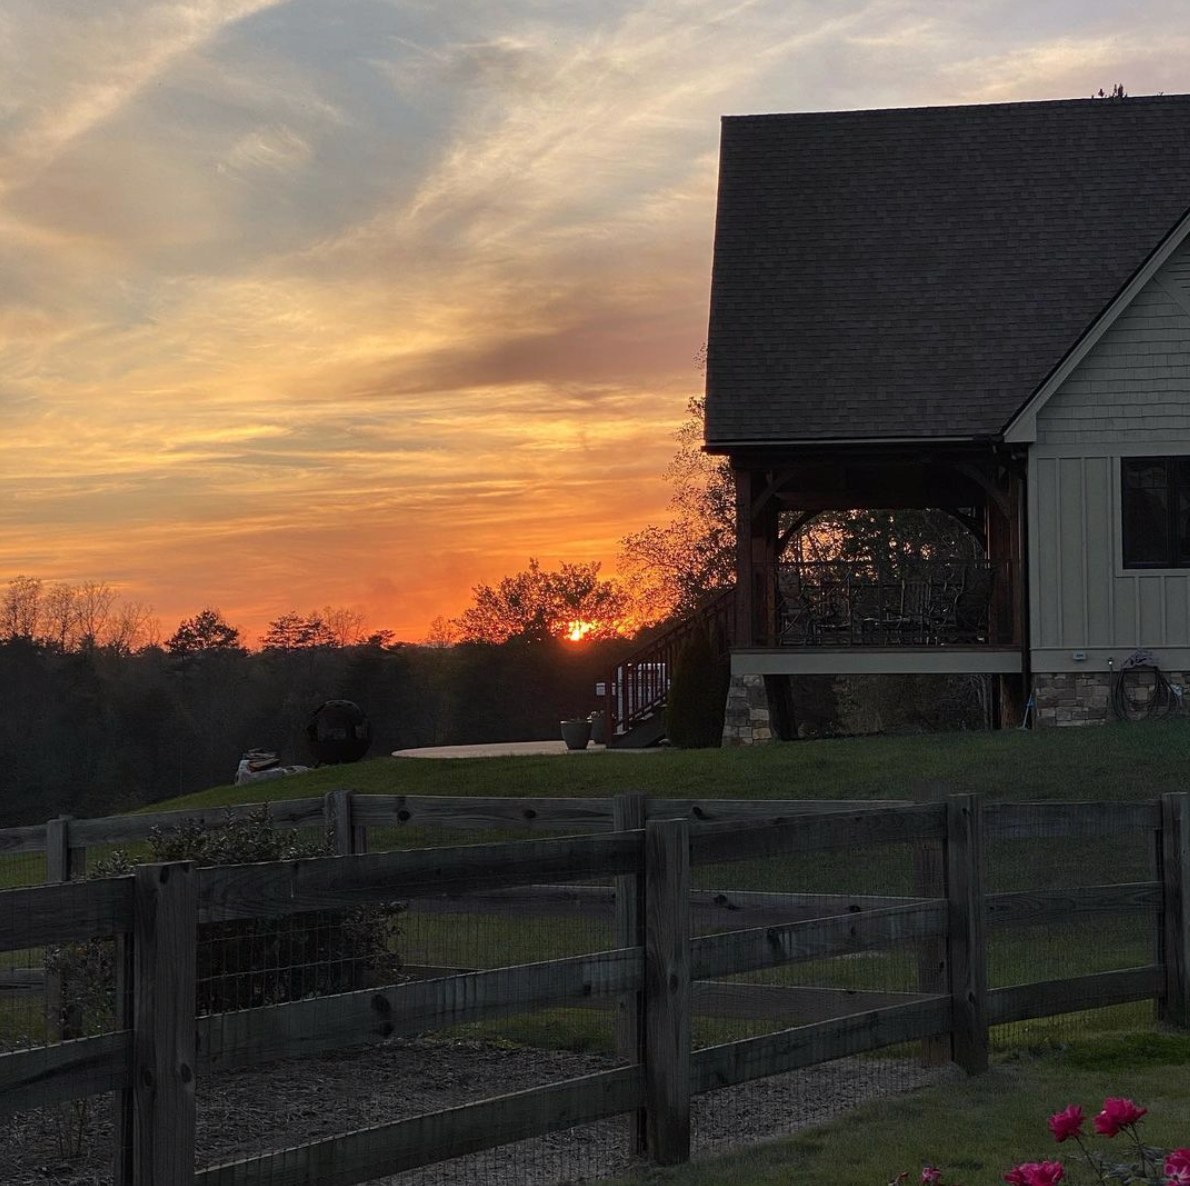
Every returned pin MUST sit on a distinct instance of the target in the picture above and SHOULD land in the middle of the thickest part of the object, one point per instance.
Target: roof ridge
(1015, 104)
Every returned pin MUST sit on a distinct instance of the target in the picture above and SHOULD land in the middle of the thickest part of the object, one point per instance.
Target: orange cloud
(368, 304)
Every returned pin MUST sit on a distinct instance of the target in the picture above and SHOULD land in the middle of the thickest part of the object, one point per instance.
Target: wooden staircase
(635, 692)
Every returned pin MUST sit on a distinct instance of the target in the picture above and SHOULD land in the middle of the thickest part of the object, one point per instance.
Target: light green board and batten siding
(1130, 396)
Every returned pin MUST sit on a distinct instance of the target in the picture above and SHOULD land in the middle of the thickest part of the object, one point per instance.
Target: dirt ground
(289, 1103)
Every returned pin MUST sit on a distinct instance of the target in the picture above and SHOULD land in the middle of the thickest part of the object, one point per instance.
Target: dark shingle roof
(919, 273)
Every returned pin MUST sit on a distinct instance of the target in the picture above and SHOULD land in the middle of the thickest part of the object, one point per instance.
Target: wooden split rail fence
(151, 1061)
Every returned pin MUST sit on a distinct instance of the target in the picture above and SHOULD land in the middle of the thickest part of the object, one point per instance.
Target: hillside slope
(1116, 762)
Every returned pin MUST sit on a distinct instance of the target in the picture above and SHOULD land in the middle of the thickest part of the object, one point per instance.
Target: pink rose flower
(1036, 1173)
(1177, 1168)
(1117, 1113)
(1067, 1123)
(931, 1174)
(1046, 1173)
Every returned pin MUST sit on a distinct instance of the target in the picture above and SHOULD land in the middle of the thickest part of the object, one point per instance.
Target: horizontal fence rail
(421, 1140)
(656, 975)
(451, 812)
(1019, 821)
(272, 889)
(557, 814)
(845, 934)
(1032, 907)
(68, 913)
(328, 1023)
(1073, 993)
(808, 1045)
(67, 1071)
(745, 841)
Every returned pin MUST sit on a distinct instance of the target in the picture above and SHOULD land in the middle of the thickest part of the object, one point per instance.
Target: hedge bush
(697, 694)
(246, 963)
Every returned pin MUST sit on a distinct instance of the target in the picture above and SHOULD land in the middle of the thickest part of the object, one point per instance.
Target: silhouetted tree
(206, 631)
(673, 568)
(297, 632)
(20, 611)
(535, 605)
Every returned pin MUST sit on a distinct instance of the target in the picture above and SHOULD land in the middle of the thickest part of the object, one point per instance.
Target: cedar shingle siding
(920, 273)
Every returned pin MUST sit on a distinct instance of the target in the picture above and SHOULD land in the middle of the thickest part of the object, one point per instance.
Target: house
(980, 309)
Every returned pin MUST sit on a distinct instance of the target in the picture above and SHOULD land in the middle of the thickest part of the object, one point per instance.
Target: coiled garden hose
(1161, 701)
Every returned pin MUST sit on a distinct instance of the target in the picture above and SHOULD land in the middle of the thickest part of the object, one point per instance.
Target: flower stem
(1144, 1159)
(1089, 1160)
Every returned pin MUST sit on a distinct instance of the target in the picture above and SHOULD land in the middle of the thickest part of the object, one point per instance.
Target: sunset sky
(365, 301)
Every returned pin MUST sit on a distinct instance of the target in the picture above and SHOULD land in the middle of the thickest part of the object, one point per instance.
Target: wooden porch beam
(994, 490)
(972, 523)
(793, 529)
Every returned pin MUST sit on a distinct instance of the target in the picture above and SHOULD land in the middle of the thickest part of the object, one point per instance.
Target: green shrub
(697, 694)
(246, 963)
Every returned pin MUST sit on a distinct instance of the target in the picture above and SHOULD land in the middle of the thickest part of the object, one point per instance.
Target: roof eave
(749, 445)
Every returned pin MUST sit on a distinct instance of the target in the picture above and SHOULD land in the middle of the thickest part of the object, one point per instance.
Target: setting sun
(579, 630)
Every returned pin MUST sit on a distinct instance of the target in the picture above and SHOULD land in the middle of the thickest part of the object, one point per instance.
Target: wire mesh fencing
(394, 1062)
(808, 888)
(53, 993)
(1073, 943)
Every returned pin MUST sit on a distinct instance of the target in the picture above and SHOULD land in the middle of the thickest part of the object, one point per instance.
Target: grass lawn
(974, 1129)
(1115, 762)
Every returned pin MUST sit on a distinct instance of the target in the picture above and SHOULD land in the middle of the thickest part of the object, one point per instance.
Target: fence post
(667, 990)
(337, 813)
(966, 944)
(165, 956)
(60, 865)
(359, 832)
(124, 1100)
(1175, 913)
(629, 814)
(62, 862)
(929, 881)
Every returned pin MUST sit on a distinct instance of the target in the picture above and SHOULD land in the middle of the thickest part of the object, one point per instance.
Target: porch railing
(912, 604)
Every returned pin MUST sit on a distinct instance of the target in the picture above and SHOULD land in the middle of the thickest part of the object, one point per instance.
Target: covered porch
(901, 611)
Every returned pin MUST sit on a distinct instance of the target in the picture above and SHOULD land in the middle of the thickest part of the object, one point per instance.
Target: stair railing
(636, 690)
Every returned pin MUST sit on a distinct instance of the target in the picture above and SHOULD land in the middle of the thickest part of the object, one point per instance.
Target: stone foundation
(1060, 700)
(1084, 697)
(747, 720)
(1072, 698)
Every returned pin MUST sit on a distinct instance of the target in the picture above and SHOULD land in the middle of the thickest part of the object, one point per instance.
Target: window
(1156, 512)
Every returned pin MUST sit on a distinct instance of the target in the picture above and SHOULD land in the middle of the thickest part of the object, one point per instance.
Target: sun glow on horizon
(577, 631)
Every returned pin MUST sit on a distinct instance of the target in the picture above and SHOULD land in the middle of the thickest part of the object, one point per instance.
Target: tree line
(99, 730)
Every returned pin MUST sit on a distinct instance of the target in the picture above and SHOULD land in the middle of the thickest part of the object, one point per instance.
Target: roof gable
(1023, 426)
(921, 273)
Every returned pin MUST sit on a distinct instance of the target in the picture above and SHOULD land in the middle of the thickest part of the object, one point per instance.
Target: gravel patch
(241, 1113)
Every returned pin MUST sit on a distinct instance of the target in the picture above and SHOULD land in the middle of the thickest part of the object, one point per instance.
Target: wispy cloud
(78, 67)
(364, 302)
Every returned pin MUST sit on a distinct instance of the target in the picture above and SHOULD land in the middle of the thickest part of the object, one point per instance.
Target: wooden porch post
(745, 612)
(1005, 532)
(756, 559)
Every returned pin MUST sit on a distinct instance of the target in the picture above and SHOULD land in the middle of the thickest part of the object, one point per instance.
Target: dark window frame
(1177, 487)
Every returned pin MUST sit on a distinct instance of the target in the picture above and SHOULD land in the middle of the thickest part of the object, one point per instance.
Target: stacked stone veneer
(1084, 697)
(1061, 700)
(747, 720)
